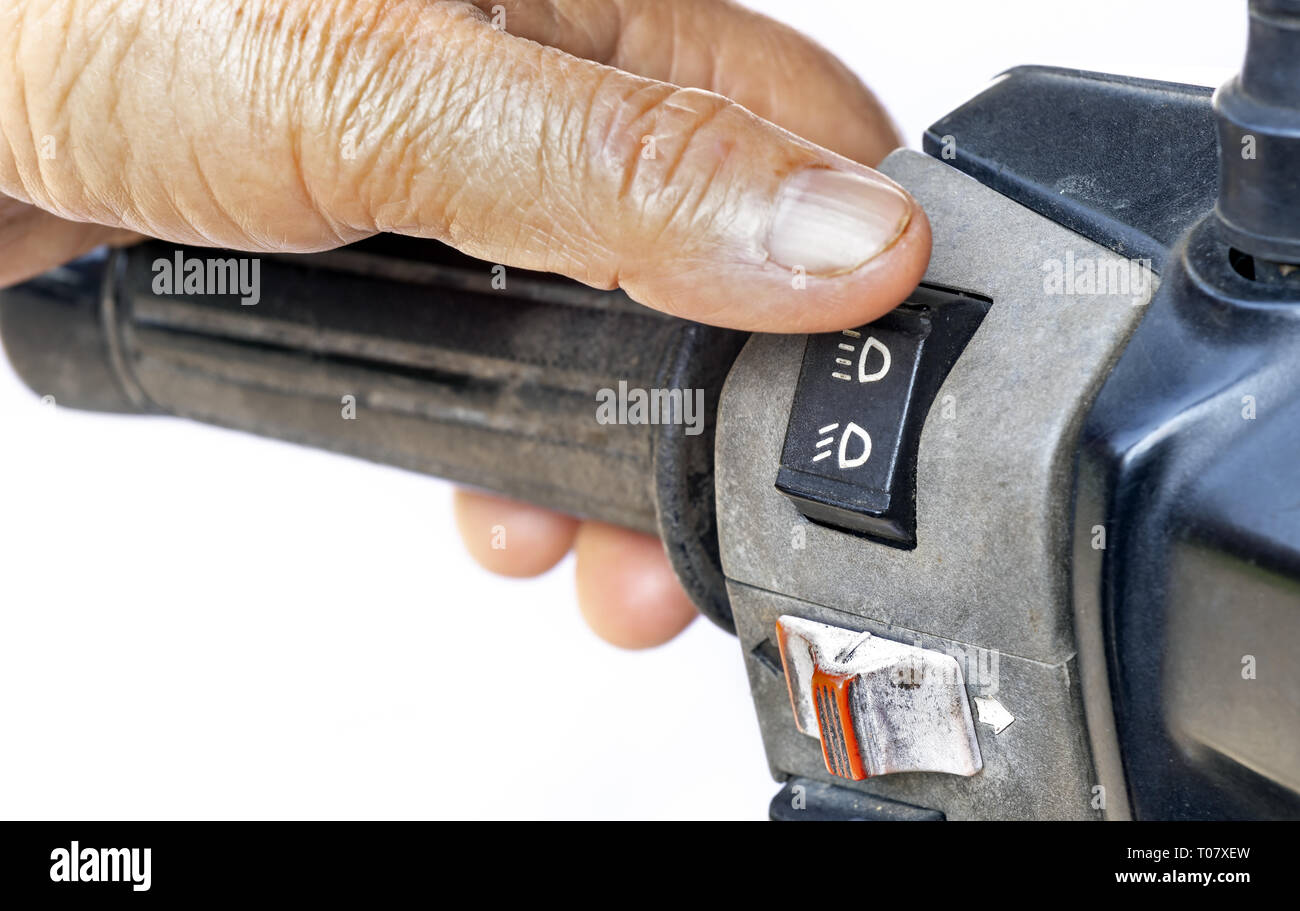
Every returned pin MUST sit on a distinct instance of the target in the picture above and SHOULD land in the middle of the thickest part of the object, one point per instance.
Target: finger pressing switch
(876, 705)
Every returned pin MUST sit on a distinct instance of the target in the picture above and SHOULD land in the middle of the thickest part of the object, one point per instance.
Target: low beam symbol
(828, 441)
(853, 430)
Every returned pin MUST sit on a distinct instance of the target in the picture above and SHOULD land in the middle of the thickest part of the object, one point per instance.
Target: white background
(200, 624)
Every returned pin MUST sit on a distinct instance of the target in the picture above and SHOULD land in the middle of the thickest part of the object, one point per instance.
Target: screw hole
(1242, 263)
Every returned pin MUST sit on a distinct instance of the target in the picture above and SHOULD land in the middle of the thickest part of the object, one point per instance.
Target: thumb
(301, 125)
(686, 200)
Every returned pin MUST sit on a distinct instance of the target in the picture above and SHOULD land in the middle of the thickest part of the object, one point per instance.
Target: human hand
(626, 589)
(301, 125)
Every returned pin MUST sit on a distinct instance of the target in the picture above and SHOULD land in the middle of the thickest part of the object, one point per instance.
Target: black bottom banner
(133, 861)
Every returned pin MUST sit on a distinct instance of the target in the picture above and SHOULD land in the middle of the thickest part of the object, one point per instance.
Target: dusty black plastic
(1189, 458)
(1259, 186)
(53, 335)
(848, 398)
(807, 800)
(1197, 499)
(1192, 497)
(1128, 163)
(494, 388)
(683, 469)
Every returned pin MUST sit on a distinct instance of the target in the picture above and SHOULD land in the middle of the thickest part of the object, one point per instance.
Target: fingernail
(830, 222)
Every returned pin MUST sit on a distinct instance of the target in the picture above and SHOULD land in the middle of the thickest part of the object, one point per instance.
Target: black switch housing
(849, 458)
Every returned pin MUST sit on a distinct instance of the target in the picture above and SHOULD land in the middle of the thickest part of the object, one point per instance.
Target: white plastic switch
(878, 706)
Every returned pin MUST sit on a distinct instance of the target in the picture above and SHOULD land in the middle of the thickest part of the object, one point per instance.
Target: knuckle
(668, 149)
(381, 98)
(35, 92)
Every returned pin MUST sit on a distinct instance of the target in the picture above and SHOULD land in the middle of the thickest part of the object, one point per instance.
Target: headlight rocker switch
(877, 706)
(849, 458)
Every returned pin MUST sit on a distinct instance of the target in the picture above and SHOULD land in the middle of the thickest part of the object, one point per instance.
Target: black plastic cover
(1128, 163)
(806, 800)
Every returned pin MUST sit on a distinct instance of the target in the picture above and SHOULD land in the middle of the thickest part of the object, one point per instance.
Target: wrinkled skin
(301, 125)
